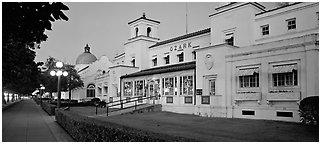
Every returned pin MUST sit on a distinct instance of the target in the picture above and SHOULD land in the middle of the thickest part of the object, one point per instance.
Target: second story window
(136, 30)
(154, 60)
(180, 57)
(166, 58)
(194, 55)
(148, 31)
(133, 62)
(229, 38)
(291, 23)
(265, 30)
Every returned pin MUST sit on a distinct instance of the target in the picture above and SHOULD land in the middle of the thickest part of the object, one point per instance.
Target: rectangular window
(229, 39)
(168, 86)
(248, 112)
(180, 57)
(291, 23)
(188, 99)
(205, 100)
(265, 30)
(194, 55)
(166, 58)
(139, 88)
(169, 99)
(187, 85)
(284, 114)
(285, 75)
(111, 99)
(128, 88)
(249, 78)
(133, 62)
(154, 61)
(212, 86)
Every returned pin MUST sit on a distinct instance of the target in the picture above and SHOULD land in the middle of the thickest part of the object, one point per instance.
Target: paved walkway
(27, 122)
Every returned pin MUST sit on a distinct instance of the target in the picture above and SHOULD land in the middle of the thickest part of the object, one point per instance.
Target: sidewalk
(27, 122)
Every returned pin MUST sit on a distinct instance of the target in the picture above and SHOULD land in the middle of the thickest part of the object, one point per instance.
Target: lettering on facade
(181, 46)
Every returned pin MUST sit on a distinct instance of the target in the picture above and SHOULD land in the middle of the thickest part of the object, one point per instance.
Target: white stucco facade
(250, 63)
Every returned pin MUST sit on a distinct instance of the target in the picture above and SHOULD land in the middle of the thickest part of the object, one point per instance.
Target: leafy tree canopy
(72, 81)
(23, 27)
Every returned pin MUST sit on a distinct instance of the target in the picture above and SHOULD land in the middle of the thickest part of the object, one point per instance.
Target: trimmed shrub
(49, 108)
(86, 129)
(37, 101)
(309, 110)
(72, 104)
(95, 101)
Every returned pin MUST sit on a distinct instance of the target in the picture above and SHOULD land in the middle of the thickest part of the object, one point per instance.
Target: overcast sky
(104, 26)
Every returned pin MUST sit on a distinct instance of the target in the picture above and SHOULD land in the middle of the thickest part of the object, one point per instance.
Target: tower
(143, 33)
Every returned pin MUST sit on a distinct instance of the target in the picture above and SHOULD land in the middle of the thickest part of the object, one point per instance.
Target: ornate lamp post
(42, 89)
(58, 72)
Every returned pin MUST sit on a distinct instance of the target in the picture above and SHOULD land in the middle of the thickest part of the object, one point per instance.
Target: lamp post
(42, 89)
(58, 72)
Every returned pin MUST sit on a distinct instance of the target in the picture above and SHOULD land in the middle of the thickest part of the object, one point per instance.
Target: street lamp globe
(59, 73)
(59, 64)
(52, 73)
(65, 73)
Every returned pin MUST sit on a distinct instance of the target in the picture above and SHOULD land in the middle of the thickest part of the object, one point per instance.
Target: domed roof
(86, 57)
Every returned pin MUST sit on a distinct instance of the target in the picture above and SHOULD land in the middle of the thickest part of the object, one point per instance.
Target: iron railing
(131, 99)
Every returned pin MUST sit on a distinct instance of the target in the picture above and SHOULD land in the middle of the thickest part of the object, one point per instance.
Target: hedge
(309, 110)
(49, 108)
(85, 129)
(72, 104)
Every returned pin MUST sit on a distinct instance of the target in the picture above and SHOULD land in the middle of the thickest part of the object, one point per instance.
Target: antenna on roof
(186, 19)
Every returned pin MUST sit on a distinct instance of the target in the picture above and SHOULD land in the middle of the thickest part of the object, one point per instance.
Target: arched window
(91, 90)
(136, 29)
(148, 31)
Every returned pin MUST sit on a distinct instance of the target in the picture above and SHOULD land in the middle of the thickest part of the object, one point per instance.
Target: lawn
(211, 129)
(218, 129)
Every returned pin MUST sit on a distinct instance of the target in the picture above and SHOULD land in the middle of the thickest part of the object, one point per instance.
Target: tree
(23, 27)
(70, 82)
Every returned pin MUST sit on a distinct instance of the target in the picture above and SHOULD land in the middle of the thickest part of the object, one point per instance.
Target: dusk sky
(104, 26)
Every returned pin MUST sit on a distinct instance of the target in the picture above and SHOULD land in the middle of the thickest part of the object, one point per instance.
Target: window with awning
(284, 68)
(166, 58)
(154, 60)
(284, 75)
(248, 77)
(245, 72)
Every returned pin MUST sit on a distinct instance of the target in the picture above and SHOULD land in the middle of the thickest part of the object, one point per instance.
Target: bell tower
(144, 27)
(143, 34)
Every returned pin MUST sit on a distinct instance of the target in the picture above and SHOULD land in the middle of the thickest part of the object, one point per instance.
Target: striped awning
(284, 68)
(249, 71)
(166, 55)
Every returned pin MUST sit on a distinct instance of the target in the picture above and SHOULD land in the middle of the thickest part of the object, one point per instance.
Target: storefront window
(186, 85)
(139, 88)
(168, 86)
(128, 86)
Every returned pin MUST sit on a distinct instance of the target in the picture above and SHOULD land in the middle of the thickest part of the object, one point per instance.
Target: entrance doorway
(154, 91)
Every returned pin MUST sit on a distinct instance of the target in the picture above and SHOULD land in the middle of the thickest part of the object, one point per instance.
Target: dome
(86, 57)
